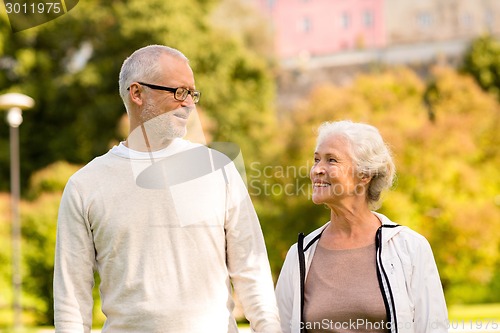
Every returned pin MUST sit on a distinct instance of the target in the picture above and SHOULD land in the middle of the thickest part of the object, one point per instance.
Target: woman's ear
(366, 178)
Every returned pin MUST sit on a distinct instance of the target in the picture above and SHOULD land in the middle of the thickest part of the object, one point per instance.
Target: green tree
(482, 61)
(458, 184)
(70, 67)
(5, 259)
(38, 220)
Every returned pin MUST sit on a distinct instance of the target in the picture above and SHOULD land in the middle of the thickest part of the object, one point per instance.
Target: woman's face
(333, 175)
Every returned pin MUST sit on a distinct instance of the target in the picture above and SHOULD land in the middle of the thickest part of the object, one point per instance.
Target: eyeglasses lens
(196, 96)
(181, 94)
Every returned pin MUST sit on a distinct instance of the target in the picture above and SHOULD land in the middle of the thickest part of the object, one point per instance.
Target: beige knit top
(342, 292)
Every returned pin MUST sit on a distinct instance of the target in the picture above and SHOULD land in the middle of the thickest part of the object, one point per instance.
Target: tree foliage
(482, 61)
(70, 67)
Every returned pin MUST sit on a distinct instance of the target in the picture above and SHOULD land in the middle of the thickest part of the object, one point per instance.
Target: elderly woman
(360, 272)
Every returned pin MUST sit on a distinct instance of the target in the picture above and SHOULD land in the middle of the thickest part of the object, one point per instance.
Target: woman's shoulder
(407, 238)
(410, 244)
(393, 229)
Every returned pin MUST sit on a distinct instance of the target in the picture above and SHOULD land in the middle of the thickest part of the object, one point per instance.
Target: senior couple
(171, 230)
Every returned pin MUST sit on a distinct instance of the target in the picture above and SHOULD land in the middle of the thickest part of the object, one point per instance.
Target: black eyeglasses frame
(195, 94)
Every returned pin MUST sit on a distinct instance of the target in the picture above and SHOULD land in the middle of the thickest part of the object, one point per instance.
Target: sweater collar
(175, 147)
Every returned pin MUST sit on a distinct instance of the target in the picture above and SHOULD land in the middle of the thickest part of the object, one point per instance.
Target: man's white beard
(161, 127)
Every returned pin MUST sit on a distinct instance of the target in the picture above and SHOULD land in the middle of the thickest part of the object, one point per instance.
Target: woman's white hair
(370, 154)
(143, 65)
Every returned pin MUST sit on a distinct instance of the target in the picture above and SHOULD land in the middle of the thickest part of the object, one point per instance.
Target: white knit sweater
(168, 232)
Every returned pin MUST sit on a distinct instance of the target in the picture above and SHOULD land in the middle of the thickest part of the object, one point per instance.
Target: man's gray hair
(143, 65)
(371, 155)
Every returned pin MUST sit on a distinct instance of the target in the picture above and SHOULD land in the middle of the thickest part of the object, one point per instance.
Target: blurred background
(426, 73)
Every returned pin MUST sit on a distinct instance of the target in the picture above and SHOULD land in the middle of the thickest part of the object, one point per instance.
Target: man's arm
(247, 258)
(74, 266)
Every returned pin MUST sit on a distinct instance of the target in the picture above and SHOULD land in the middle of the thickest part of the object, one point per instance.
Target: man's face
(164, 116)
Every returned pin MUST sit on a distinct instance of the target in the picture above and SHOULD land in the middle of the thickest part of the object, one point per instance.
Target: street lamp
(14, 103)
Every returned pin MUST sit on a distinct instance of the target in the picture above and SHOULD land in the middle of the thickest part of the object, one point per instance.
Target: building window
(466, 20)
(345, 20)
(490, 19)
(305, 25)
(368, 18)
(424, 20)
(271, 3)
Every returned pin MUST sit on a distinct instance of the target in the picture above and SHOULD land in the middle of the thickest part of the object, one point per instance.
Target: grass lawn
(475, 312)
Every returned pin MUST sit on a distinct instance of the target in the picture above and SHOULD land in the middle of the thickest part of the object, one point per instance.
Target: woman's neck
(350, 228)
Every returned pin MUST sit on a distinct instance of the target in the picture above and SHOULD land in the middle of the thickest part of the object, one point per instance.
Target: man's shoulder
(95, 167)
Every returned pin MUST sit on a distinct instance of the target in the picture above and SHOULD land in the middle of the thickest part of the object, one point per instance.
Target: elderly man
(167, 224)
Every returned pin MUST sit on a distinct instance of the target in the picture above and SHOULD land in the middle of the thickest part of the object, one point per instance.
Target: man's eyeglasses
(180, 93)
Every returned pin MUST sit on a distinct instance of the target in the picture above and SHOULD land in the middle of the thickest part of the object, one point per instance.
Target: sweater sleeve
(74, 266)
(247, 259)
(431, 314)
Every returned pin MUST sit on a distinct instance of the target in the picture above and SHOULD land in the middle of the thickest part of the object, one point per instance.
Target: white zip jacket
(413, 293)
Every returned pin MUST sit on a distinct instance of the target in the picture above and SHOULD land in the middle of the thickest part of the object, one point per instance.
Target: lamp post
(14, 103)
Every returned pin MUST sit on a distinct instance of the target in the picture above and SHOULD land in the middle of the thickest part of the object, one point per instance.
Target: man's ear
(135, 92)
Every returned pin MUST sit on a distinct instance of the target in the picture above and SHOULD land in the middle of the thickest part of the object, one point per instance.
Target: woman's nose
(317, 169)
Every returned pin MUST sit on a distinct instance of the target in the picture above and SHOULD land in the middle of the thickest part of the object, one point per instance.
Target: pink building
(321, 27)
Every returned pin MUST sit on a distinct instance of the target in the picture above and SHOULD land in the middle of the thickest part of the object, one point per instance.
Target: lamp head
(14, 103)
(11, 100)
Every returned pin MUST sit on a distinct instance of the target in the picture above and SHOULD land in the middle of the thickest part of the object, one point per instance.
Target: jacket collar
(390, 232)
